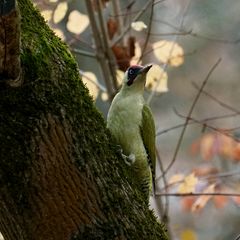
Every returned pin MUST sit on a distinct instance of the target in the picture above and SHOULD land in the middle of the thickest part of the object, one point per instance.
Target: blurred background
(190, 42)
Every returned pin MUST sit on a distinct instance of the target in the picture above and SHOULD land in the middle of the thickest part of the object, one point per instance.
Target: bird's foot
(130, 159)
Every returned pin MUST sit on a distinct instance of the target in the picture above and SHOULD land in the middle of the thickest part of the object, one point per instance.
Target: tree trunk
(60, 176)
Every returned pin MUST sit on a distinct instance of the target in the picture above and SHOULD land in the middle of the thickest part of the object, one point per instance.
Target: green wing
(148, 135)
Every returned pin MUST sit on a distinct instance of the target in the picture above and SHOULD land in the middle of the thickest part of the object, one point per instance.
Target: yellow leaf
(59, 33)
(47, 14)
(157, 79)
(188, 234)
(90, 80)
(77, 22)
(168, 52)
(138, 26)
(176, 178)
(60, 12)
(104, 96)
(189, 184)
(202, 200)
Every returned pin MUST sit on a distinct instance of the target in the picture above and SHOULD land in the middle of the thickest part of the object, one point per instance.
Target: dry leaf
(90, 80)
(176, 178)
(104, 96)
(189, 184)
(157, 79)
(188, 234)
(112, 27)
(201, 201)
(205, 171)
(187, 202)
(138, 26)
(236, 199)
(220, 201)
(47, 14)
(59, 33)
(60, 12)
(217, 143)
(122, 56)
(168, 52)
(77, 22)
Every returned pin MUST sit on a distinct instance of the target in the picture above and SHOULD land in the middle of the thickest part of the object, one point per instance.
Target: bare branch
(127, 28)
(98, 85)
(105, 43)
(224, 132)
(221, 103)
(159, 204)
(198, 194)
(118, 17)
(238, 237)
(148, 32)
(189, 115)
(193, 34)
(165, 66)
(83, 52)
(203, 121)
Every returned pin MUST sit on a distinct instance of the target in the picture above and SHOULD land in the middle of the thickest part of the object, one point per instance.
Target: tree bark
(60, 175)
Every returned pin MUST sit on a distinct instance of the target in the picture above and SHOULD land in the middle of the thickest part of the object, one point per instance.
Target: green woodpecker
(131, 123)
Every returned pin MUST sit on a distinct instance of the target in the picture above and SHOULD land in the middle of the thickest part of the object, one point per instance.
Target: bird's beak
(145, 69)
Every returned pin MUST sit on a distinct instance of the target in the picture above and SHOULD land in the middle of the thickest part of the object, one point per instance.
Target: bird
(131, 123)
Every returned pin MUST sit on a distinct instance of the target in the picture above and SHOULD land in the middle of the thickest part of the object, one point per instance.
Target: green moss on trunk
(52, 85)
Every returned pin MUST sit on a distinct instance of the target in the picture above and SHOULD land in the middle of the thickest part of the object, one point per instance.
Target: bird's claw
(130, 159)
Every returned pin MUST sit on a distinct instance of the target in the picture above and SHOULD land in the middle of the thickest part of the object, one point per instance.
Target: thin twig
(99, 48)
(196, 35)
(224, 132)
(98, 85)
(238, 237)
(148, 32)
(221, 103)
(175, 38)
(189, 115)
(198, 194)
(126, 29)
(202, 178)
(118, 16)
(203, 121)
(105, 42)
(163, 212)
(221, 175)
(83, 52)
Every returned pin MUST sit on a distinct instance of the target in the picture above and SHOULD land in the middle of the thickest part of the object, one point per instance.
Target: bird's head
(135, 77)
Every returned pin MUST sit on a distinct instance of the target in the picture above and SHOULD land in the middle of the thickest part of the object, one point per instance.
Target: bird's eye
(131, 71)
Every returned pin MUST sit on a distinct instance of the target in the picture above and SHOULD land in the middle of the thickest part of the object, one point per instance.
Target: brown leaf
(201, 201)
(220, 201)
(205, 171)
(131, 46)
(236, 199)
(122, 57)
(112, 27)
(187, 202)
